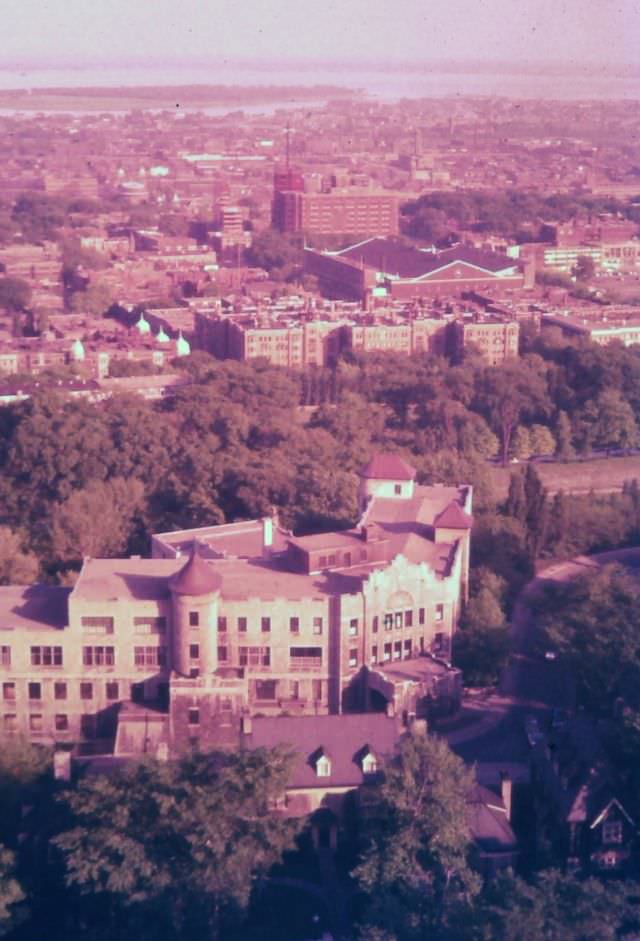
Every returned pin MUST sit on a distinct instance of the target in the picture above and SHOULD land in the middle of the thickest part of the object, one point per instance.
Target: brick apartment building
(244, 619)
(347, 211)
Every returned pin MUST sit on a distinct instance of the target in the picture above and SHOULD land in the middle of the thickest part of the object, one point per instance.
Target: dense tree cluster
(78, 478)
(512, 213)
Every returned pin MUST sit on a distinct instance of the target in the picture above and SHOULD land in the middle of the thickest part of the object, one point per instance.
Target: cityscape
(320, 473)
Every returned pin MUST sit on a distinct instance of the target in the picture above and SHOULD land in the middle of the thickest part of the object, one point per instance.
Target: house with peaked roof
(578, 805)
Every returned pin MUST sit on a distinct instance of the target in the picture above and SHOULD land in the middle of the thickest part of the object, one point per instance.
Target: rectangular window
(439, 612)
(421, 616)
(408, 618)
(8, 691)
(353, 627)
(266, 689)
(112, 692)
(194, 651)
(397, 650)
(222, 625)
(316, 690)
(46, 656)
(222, 654)
(322, 562)
(98, 656)
(305, 658)
(265, 625)
(317, 626)
(10, 722)
(97, 625)
(60, 690)
(399, 619)
(388, 622)
(194, 619)
(242, 625)
(374, 653)
(35, 722)
(61, 723)
(35, 691)
(353, 657)
(387, 652)
(193, 716)
(86, 690)
(149, 625)
(255, 656)
(612, 831)
(5, 656)
(294, 625)
(407, 649)
(145, 657)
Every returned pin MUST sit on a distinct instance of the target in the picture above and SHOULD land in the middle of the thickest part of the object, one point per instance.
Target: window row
(98, 656)
(145, 624)
(61, 691)
(400, 619)
(265, 625)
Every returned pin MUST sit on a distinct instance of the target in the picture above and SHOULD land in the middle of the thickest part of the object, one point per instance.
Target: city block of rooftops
(230, 622)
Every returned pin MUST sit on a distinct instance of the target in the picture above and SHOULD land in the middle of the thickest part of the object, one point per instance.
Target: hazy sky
(524, 31)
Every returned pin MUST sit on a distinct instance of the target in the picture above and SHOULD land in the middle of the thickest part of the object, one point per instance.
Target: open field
(603, 474)
(186, 96)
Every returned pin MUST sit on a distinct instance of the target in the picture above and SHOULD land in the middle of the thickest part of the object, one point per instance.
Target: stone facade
(243, 619)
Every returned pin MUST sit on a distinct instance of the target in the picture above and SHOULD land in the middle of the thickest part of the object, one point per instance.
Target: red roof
(196, 577)
(453, 517)
(388, 467)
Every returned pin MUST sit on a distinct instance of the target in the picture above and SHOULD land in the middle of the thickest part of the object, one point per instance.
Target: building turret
(183, 347)
(195, 595)
(143, 326)
(386, 475)
(162, 337)
(77, 351)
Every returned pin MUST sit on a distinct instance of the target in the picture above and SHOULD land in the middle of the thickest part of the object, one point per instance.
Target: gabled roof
(453, 517)
(398, 260)
(341, 739)
(195, 578)
(388, 467)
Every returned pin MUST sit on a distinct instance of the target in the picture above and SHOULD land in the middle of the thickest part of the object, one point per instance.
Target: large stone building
(242, 619)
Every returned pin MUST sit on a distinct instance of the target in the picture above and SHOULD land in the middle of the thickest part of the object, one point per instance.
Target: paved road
(530, 684)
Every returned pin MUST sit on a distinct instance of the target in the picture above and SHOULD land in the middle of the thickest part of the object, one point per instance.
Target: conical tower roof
(143, 325)
(183, 347)
(196, 577)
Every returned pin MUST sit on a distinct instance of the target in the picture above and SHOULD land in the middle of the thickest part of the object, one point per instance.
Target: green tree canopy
(182, 841)
(414, 870)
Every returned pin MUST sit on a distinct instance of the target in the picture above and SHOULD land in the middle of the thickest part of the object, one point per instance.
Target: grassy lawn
(578, 476)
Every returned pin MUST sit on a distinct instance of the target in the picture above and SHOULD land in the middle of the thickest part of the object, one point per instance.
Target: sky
(582, 33)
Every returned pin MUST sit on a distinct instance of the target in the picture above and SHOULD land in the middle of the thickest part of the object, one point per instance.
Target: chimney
(506, 792)
(267, 532)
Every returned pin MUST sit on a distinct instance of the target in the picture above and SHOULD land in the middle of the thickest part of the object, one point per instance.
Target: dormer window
(323, 766)
(369, 763)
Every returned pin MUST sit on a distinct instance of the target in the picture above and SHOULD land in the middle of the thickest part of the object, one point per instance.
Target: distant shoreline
(165, 97)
